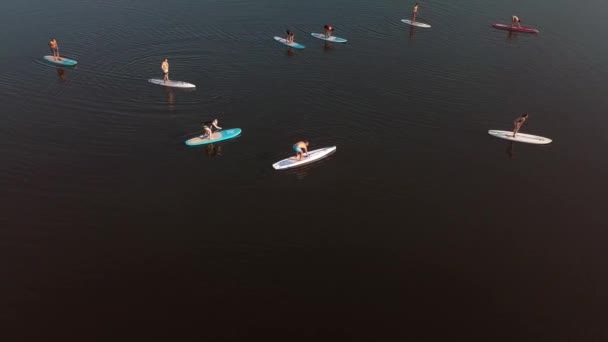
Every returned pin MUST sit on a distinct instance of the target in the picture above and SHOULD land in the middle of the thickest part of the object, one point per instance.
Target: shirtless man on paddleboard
(165, 67)
(54, 49)
(301, 147)
(414, 12)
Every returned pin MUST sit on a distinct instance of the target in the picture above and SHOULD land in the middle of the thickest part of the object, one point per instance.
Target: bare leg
(515, 130)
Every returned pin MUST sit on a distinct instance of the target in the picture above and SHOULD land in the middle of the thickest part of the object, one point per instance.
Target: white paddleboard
(175, 84)
(313, 156)
(520, 137)
(415, 23)
(333, 39)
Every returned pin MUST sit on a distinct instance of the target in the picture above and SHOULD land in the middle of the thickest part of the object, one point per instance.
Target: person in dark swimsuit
(209, 126)
(290, 36)
(328, 30)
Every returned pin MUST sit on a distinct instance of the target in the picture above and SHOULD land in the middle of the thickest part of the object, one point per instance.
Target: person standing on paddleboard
(54, 49)
(300, 147)
(208, 126)
(414, 12)
(328, 30)
(518, 123)
(165, 68)
(515, 21)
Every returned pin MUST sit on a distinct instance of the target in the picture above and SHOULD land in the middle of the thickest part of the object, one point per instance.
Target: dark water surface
(421, 227)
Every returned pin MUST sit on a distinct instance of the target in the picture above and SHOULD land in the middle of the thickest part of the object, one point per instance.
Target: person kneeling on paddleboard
(328, 30)
(298, 147)
(290, 36)
(415, 12)
(518, 122)
(208, 127)
(165, 67)
(515, 21)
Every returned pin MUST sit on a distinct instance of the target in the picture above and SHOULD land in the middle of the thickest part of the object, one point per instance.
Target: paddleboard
(415, 23)
(62, 61)
(285, 42)
(329, 39)
(217, 137)
(175, 84)
(313, 156)
(515, 29)
(520, 137)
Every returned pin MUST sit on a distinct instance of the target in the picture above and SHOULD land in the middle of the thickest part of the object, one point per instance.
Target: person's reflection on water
(509, 150)
(511, 36)
(412, 31)
(213, 150)
(301, 172)
(61, 74)
(170, 98)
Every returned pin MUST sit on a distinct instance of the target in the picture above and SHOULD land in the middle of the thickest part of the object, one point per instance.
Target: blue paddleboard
(62, 61)
(217, 136)
(285, 42)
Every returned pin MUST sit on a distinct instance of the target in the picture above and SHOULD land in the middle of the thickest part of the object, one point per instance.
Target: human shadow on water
(509, 150)
(61, 73)
(213, 150)
(412, 33)
(511, 36)
(170, 98)
(302, 171)
(290, 52)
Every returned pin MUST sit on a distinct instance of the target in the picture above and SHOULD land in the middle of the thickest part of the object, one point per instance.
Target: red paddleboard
(514, 29)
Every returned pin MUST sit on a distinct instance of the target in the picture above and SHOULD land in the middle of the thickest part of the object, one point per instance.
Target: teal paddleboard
(62, 61)
(217, 136)
(285, 42)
